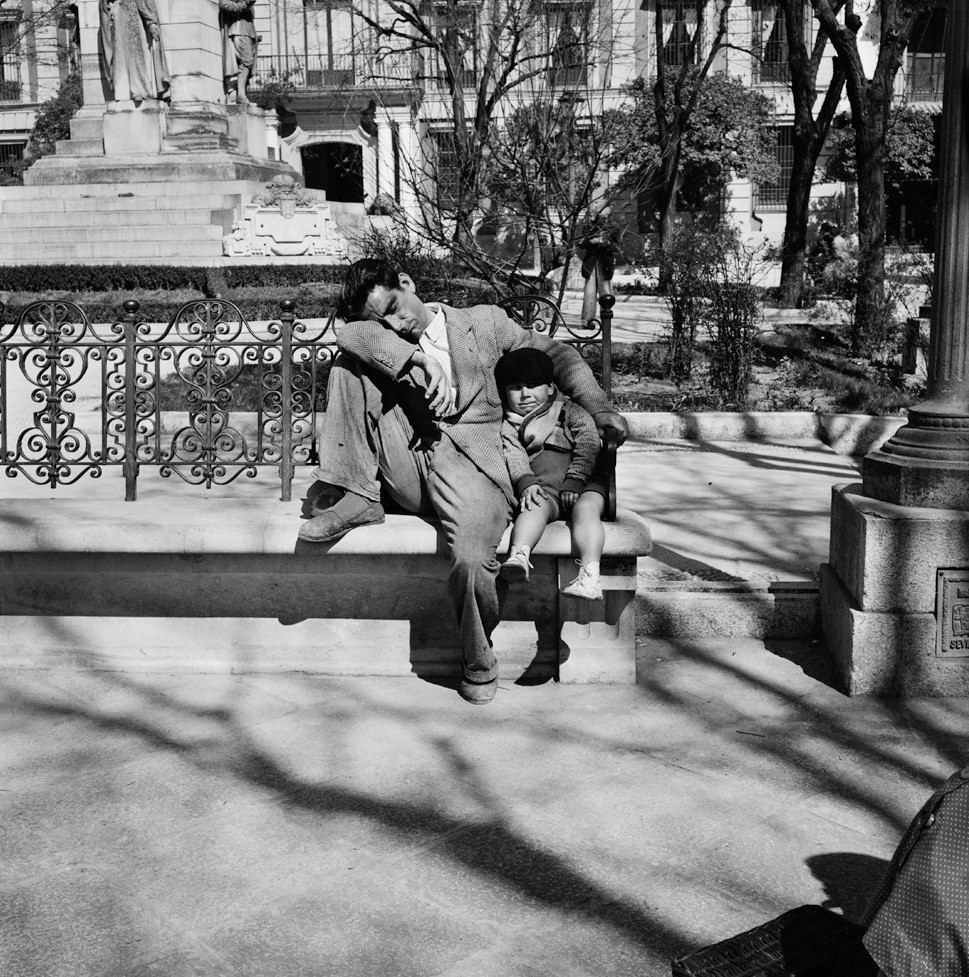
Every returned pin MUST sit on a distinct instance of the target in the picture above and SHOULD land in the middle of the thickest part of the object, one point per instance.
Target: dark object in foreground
(805, 942)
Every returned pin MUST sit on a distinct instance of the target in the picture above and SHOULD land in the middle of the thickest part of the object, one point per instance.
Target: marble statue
(239, 44)
(133, 59)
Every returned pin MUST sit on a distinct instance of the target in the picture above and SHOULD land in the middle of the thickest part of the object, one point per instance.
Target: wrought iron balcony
(321, 72)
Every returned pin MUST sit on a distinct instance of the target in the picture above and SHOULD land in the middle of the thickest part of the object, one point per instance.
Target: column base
(880, 592)
(921, 482)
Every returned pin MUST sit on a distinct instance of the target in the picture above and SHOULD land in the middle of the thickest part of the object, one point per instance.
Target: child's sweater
(555, 446)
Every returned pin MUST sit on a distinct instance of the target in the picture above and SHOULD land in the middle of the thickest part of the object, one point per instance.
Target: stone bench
(216, 584)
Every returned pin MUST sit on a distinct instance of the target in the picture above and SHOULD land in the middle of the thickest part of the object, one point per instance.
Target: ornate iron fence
(208, 397)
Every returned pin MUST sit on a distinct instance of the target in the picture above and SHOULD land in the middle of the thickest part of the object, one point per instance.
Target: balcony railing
(327, 72)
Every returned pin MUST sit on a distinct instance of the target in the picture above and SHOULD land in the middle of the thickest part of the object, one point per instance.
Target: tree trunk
(794, 251)
(670, 178)
(868, 325)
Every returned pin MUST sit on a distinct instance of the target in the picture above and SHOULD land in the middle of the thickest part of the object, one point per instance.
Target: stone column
(926, 463)
(895, 595)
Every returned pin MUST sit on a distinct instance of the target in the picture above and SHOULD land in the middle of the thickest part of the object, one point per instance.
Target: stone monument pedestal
(151, 180)
(891, 597)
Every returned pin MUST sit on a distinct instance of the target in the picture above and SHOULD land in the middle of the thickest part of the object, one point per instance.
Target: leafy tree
(724, 134)
(909, 147)
(871, 111)
(680, 73)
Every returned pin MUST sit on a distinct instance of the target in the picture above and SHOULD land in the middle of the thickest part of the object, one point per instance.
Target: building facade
(368, 117)
(39, 48)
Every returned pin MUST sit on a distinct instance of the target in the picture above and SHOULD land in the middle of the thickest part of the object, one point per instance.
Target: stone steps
(117, 222)
(24, 224)
(81, 248)
(107, 207)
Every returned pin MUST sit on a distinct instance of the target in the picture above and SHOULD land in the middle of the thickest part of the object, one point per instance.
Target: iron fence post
(286, 462)
(130, 465)
(606, 302)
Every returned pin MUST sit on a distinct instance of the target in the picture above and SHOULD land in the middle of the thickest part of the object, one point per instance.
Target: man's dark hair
(361, 279)
(526, 365)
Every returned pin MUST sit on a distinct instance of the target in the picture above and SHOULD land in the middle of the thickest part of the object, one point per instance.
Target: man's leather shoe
(319, 497)
(329, 526)
(478, 693)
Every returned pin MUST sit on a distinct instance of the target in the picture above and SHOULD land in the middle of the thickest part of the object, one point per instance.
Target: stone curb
(846, 434)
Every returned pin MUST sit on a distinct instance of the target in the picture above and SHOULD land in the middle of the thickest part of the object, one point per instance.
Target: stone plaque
(952, 614)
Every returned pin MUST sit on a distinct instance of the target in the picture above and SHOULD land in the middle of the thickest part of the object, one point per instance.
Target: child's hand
(567, 500)
(532, 497)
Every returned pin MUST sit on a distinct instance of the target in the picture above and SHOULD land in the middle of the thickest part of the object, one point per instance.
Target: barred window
(680, 33)
(768, 43)
(9, 60)
(926, 57)
(457, 25)
(568, 43)
(446, 174)
(773, 196)
(11, 153)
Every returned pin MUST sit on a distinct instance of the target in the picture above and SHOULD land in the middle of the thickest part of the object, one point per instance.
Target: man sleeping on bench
(412, 402)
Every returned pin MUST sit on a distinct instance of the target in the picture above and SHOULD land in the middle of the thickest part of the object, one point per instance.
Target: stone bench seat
(215, 583)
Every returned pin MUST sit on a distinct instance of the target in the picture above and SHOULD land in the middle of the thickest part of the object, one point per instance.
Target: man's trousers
(376, 427)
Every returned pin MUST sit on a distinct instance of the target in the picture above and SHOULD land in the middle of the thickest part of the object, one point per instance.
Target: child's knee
(589, 506)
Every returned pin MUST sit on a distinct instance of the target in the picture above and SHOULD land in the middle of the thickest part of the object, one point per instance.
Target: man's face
(399, 309)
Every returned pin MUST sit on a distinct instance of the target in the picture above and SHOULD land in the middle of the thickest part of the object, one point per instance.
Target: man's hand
(567, 500)
(610, 421)
(532, 498)
(438, 395)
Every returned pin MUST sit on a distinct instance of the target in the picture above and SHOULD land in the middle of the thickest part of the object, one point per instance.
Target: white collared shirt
(435, 344)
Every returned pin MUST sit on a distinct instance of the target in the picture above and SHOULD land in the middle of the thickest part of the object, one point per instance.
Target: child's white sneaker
(516, 568)
(586, 585)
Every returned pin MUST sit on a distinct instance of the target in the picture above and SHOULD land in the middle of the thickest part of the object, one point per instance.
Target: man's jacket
(477, 338)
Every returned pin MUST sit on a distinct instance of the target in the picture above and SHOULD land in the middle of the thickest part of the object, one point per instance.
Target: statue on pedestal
(133, 59)
(239, 43)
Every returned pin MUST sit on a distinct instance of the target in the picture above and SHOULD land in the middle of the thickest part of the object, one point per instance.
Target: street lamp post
(926, 463)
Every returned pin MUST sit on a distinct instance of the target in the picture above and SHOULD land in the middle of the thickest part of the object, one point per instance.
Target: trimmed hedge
(313, 299)
(127, 278)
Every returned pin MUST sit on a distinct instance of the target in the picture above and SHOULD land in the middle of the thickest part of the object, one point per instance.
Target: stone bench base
(223, 585)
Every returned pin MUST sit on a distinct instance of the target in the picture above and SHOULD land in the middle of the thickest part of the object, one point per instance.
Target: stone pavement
(166, 825)
(235, 825)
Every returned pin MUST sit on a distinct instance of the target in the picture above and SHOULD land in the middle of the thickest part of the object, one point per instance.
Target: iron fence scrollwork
(208, 397)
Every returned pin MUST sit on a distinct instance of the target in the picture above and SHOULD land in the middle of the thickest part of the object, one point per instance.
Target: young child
(551, 445)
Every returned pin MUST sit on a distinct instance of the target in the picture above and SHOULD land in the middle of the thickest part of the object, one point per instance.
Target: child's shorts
(598, 482)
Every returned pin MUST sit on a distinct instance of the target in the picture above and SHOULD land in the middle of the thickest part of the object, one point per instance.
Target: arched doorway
(336, 168)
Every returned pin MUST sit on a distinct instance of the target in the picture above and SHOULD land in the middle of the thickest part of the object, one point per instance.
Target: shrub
(734, 313)
(687, 264)
(121, 278)
(53, 120)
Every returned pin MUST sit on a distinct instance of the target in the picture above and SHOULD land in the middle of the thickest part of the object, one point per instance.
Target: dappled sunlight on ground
(299, 824)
